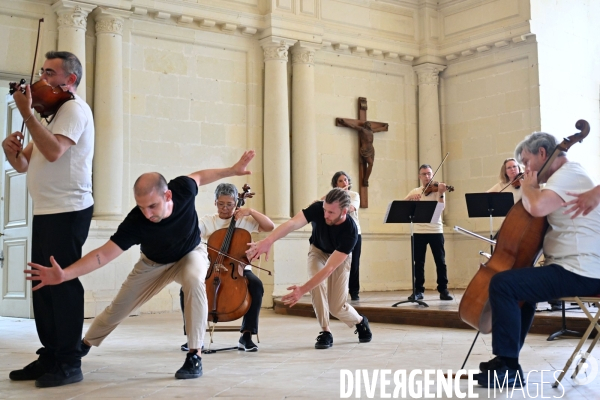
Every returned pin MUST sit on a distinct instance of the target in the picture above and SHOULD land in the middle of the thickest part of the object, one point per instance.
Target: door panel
(15, 222)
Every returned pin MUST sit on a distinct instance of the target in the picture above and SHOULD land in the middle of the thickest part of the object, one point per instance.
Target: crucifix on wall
(366, 151)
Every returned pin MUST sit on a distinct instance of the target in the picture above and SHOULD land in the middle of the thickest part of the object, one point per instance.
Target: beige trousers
(146, 280)
(330, 295)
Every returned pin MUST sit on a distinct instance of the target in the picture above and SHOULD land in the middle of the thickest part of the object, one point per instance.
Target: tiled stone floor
(139, 359)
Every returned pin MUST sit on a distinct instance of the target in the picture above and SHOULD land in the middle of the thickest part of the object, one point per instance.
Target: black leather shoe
(354, 297)
(445, 295)
(30, 373)
(60, 375)
(418, 296)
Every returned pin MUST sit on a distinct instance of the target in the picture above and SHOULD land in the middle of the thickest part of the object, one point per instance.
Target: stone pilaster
(108, 114)
(304, 133)
(276, 138)
(72, 25)
(430, 137)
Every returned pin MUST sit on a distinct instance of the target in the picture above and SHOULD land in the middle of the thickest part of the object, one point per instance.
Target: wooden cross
(366, 151)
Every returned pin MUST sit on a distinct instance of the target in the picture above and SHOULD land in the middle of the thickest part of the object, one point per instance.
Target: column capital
(276, 48)
(304, 53)
(428, 73)
(110, 20)
(72, 14)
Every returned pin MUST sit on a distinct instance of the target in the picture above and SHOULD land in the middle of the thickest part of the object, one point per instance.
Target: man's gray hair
(340, 195)
(70, 63)
(534, 142)
(226, 189)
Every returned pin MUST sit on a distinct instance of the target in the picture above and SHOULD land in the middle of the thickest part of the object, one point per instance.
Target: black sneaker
(192, 367)
(363, 330)
(494, 363)
(30, 373)
(418, 296)
(60, 375)
(246, 343)
(445, 295)
(184, 347)
(501, 375)
(324, 340)
(354, 297)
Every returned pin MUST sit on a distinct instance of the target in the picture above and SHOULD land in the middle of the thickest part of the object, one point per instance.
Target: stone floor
(141, 356)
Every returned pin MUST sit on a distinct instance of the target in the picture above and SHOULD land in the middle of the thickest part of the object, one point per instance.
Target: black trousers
(353, 282)
(58, 309)
(250, 320)
(436, 243)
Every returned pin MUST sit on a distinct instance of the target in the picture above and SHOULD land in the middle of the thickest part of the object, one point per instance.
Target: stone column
(72, 24)
(108, 114)
(276, 137)
(304, 133)
(430, 138)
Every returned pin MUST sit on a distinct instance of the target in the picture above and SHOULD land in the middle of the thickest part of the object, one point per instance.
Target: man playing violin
(571, 256)
(251, 220)
(58, 162)
(432, 234)
(334, 235)
(165, 225)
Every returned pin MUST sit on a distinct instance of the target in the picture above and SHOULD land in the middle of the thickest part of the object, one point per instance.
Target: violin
(516, 183)
(45, 99)
(226, 286)
(518, 245)
(433, 187)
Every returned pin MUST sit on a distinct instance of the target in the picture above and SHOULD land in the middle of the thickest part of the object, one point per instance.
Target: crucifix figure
(366, 151)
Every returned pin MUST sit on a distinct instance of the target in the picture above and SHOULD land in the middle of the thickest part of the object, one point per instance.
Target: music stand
(409, 212)
(494, 204)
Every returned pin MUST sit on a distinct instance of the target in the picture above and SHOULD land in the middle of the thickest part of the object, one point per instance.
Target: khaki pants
(331, 294)
(146, 280)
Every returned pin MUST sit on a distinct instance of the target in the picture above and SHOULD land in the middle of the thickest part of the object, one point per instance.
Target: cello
(226, 287)
(518, 245)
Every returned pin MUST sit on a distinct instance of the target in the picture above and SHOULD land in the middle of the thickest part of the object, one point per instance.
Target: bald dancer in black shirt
(333, 238)
(165, 224)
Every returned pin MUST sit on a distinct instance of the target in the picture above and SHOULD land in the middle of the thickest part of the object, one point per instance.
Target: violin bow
(235, 259)
(37, 44)
(436, 171)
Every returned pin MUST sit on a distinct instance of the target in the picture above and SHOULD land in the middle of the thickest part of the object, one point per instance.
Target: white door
(15, 222)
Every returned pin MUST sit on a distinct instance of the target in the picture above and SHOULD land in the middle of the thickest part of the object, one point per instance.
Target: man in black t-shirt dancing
(333, 237)
(165, 224)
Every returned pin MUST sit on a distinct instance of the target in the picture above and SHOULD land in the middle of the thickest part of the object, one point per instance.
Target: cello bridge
(220, 268)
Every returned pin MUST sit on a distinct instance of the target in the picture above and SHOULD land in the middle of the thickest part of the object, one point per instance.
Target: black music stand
(494, 204)
(409, 212)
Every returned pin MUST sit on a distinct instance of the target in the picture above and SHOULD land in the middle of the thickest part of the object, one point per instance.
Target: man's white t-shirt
(435, 227)
(573, 243)
(66, 184)
(211, 223)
